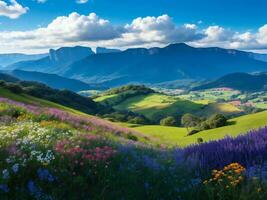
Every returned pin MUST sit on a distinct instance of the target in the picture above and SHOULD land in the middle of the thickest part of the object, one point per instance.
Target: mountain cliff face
(155, 65)
(56, 61)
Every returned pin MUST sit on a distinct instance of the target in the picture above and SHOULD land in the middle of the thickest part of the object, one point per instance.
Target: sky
(34, 26)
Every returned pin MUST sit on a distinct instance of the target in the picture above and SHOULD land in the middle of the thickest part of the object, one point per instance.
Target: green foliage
(168, 121)
(189, 120)
(14, 87)
(216, 121)
(141, 89)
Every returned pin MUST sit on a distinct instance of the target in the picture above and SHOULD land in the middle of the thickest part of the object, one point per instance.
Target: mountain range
(141, 65)
(155, 65)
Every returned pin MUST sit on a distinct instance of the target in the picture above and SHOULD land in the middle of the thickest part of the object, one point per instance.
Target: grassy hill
(156, 106)
(95, 121)
(171, 136)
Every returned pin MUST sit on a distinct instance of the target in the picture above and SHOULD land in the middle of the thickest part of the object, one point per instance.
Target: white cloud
(12, 10)
(81, 1)
(92, 30)
(157, 30)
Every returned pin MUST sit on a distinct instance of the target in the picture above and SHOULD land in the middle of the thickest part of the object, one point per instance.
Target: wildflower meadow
(51, 154)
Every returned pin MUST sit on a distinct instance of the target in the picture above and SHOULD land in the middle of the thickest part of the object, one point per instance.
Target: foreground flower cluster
(49, 154)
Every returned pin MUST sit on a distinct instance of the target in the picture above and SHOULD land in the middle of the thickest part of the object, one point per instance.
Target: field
(172, 136)
(211, 95)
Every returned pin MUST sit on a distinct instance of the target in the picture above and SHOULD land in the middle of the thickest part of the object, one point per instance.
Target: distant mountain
(155, 65)
(140, 65)
(238, 81)
(100, 50)
(56, 61)
(261, 57)
(8, 78)
(8, 59)
(55, 81)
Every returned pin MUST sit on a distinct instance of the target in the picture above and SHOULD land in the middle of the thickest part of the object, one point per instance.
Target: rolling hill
(172, 136)
(156, 106)
(238, 81)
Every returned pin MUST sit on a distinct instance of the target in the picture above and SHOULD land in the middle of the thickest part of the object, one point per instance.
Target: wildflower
(15, 168)
(34, 190)
(44, 175)
(4, 188)
(5, 174)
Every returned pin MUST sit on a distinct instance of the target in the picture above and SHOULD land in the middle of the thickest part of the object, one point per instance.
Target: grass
(210, 95)
(105, 97)
(33, 100)
(158, 105)
(172, 136)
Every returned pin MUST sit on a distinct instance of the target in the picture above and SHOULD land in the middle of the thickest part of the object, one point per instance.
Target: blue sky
(237, 23)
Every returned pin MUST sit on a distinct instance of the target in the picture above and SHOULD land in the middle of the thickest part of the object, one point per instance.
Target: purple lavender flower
(15, 168)
(4, 188)
(5, 174)
(45, 175)
(34, 190)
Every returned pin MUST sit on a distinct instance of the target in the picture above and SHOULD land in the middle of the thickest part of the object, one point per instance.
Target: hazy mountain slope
(155, 65)
(261, 57)
(54, 81)
(55, 61)
(8, 78)
(238, 81)
(8, 59)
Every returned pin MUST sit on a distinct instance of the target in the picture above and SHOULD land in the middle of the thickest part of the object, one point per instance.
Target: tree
(217, 120)
(168, 121)
(188, 120)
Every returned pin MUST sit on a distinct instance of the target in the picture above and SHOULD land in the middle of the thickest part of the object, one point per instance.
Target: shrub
(192, 132)
(168, 121)
(217, 120)
(189, 120)
(138, 120)
(130, 136)
(200, 140)
(14, 88)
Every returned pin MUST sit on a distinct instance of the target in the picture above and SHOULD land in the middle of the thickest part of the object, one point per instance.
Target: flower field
(50, 154)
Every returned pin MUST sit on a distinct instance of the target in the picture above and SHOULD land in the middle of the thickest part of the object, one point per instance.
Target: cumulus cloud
(13, 10)
(92, 30)
(159, 30)
(81, 1)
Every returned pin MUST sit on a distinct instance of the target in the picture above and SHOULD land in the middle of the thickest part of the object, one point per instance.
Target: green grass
(172, 136)
(158, 105)
(210, 95)
(33, 100)
(105, 98)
